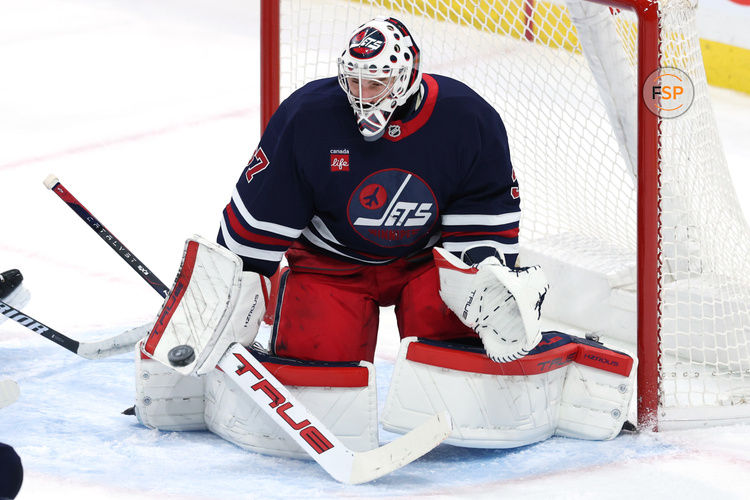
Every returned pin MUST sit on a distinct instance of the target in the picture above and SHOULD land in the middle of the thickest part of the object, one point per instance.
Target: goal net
(642, 249)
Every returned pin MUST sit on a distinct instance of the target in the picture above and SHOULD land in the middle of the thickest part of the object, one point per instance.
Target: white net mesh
(706, 286)
(567, 94)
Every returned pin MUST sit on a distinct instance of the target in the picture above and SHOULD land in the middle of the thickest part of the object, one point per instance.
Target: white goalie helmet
(379, 71)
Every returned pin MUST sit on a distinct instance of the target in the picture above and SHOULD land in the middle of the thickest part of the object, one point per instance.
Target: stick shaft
(38, 327)
(98, 349)
(113, 242)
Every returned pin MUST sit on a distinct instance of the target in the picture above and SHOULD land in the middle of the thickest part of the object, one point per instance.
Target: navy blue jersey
(442, 176)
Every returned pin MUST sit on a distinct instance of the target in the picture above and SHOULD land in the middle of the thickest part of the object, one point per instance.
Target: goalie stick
(52, 183)
(340, 462)
(122, 342)
(343, 464)
(259, 385)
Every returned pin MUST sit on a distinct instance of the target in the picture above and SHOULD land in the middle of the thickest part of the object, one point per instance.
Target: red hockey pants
(328, 310)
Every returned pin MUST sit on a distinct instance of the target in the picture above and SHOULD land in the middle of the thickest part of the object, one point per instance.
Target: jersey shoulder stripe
(247, 251)
(242, 232)
(507, 233)
(314, 240)
(248, 220)
(480, 219)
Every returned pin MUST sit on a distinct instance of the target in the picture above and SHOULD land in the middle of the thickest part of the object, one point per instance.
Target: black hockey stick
(139, 267)
(122, 342)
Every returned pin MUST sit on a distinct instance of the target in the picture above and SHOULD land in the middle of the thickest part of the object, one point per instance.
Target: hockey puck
(181, 355)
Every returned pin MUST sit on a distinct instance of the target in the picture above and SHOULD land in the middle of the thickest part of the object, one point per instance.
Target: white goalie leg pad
(211, 305)
(492, 405)
(501, 304)
(165, 399)
(343, 398)
(596, 400)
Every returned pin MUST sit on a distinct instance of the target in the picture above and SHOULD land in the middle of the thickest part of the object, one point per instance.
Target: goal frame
(649, 277)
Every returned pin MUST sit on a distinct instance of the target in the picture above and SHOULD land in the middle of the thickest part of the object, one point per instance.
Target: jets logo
(366, 44)
(372, 196)
(258, 162)
(392, 208)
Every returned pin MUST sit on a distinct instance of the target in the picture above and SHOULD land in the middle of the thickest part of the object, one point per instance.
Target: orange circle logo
(668, 92)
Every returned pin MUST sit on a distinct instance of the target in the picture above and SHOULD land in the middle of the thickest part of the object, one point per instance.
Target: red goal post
(608, 212)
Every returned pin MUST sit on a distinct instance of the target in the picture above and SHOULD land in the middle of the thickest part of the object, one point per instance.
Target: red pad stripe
(604, 359)
(175, 296)
(319, 376)
(473, 362)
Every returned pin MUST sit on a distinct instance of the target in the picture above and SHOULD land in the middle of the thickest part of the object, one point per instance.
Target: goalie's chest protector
(375, 201)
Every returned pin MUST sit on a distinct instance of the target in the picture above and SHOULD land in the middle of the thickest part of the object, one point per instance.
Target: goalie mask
(379, 71)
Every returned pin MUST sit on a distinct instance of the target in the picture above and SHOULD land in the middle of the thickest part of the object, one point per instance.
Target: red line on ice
(128, 138)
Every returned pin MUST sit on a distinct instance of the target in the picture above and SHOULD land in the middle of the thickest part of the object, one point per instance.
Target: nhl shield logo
(394, 130)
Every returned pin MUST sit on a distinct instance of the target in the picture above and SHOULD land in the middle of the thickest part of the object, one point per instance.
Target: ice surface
(147, 112)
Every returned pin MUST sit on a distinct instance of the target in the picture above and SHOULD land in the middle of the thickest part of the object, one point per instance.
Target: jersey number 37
(258, 162)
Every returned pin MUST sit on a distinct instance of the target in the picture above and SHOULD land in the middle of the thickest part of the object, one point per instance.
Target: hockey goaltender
(384, 186)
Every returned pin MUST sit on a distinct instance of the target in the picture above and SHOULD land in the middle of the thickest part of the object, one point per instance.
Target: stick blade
(370, 465)
(123, 342)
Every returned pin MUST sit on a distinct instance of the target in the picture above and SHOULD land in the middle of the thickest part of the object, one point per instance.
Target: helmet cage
(379, 72)
(360, 83)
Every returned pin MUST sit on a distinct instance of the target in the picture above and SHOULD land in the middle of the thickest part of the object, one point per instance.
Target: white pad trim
(165, 399)
(342, 463)
(348, 410)
(595, 403)
(211, 305)
(488, 411)
(577, 389)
